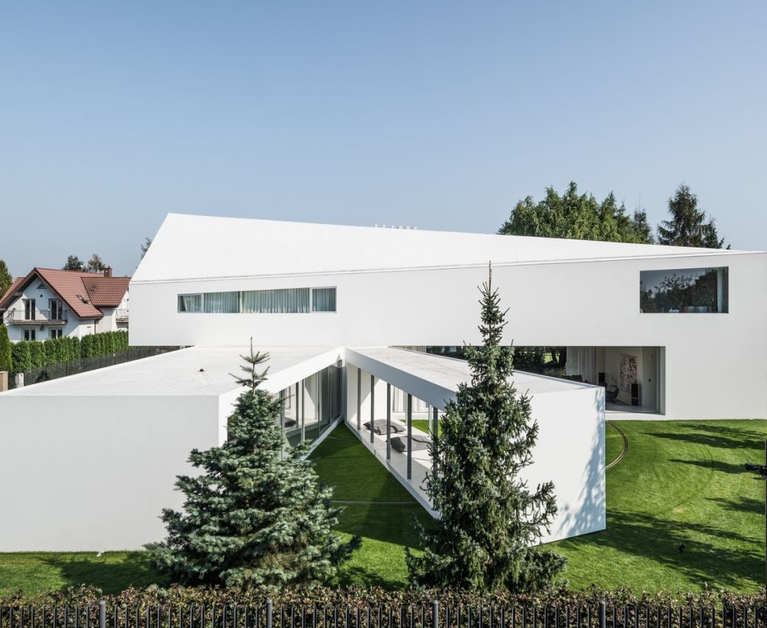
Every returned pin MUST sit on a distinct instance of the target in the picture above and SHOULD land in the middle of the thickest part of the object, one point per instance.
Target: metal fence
(364, 615)
(55, 371)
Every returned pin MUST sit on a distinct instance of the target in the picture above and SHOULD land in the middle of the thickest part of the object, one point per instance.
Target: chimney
(108, 271)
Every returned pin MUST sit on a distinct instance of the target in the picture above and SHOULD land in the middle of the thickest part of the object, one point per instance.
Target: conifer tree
(257, 514)
(490, 522)
(689, 225)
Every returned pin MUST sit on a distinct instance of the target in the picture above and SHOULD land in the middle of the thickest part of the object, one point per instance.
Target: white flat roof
(194, 371)
(202, 371)
(434, 378)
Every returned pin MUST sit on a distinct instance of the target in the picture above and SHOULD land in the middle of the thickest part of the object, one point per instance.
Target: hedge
(354, 596)
(30, 354)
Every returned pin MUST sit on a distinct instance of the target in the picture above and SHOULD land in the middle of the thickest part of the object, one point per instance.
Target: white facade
(406, 287)
(338, 299)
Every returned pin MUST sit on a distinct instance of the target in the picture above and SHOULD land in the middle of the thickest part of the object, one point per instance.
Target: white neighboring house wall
(42, 294)
(712, 364)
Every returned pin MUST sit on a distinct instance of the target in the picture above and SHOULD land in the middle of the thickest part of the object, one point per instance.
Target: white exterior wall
(94, 473)
(570, 451)
(714, 363)
(74, 327)
(41, 296)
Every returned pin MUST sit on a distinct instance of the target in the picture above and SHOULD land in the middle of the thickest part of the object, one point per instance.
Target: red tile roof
(106, 291)
(83, 292)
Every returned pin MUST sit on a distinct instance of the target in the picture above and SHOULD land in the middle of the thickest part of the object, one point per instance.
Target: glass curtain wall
(309, 406)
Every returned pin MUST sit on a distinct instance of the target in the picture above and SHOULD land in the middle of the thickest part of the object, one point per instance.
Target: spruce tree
(257, 514)
(689, 225)
(490, 522)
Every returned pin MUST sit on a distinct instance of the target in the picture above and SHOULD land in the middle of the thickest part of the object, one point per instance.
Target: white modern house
(50, 303)
(336, 308)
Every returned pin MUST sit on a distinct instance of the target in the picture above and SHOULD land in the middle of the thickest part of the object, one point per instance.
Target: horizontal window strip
(278, 301)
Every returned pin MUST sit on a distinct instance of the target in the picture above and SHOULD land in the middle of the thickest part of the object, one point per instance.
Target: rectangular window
(279, 301)
(56, 307)
(29, 309)
(190, 303)
(323, 299)
(282, 301)
(684, 291)
(29, 334)
(221, 302)
(54, 333)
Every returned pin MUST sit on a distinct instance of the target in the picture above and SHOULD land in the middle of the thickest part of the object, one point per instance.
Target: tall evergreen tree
(257, 515)
(490, 523)
(73, 263)
(688, 225)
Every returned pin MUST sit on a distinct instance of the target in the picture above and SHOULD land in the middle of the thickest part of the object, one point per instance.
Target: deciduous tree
(257, 514)
(490, 522)
(578, 217)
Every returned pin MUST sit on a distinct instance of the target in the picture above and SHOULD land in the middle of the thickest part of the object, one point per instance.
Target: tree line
(30, 354)
(582, 217)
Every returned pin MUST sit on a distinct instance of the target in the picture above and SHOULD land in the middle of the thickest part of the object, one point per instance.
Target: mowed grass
(682, 512)
(682, 483)
(382, 512)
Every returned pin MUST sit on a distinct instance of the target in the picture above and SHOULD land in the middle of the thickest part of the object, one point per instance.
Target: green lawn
(681, 483)
(383, 516)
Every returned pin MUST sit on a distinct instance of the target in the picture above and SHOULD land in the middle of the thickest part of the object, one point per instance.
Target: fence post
(102, 614)
(268, 613)
(435, 613)
(602, 614)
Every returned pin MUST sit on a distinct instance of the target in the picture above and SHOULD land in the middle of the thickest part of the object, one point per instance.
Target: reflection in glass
(684, 290)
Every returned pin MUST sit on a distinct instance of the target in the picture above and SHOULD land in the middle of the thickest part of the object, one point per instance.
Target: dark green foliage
(5, 278)
(257, 515)
(688, 225)
(490, 521)
(29, 354)
(6, 354)
(36, 354)
(22, 358)
(578, 217)
(73, 263)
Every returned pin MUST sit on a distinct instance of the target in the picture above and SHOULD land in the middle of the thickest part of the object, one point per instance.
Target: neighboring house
(49, 303)
(680, 331)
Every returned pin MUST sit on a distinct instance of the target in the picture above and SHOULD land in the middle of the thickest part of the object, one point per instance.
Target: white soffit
(201, 247)
(196, 371)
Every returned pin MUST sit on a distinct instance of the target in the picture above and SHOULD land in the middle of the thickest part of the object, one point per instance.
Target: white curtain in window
(287, 301)
(190, 303)
(324, 300)
(222, 302)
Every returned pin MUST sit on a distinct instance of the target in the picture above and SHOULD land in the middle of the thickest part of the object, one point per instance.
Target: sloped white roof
(198, 247)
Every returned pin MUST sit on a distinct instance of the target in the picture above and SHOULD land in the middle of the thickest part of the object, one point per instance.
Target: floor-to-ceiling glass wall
(310, 405)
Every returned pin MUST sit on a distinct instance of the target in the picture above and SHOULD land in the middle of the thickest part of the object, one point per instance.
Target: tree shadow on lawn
(111, 572)
(717, 435)
(704, 558)
(741, 504)
(714, 465)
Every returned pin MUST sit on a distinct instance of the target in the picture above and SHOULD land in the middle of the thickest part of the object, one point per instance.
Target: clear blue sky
(440, 115)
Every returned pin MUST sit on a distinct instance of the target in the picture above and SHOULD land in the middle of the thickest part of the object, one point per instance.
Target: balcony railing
(121, 316)
(38, 317)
